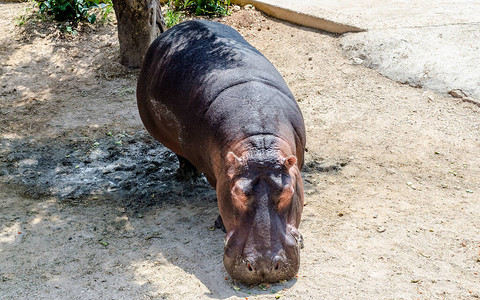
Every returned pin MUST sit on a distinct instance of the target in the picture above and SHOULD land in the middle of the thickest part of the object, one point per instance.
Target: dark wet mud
(130, 167)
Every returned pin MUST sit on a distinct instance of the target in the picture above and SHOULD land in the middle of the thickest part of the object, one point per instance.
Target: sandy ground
(90, 207)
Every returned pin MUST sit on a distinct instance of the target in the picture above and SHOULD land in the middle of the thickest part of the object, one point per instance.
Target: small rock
(381, 229)
(236, 8)
(248, 6)
(457, 94)
(357, 61)
(410, 184)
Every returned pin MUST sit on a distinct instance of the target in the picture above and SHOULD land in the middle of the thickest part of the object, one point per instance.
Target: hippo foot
(186, 171)
(219, 224)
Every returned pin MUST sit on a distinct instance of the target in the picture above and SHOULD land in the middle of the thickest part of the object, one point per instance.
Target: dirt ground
(91, 208)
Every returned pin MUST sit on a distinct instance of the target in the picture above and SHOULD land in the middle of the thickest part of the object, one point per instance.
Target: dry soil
(91, 208)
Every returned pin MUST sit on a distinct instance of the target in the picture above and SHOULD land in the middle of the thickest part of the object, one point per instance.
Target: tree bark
(139, 22)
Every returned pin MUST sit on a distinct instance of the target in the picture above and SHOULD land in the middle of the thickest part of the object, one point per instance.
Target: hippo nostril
(249, 266)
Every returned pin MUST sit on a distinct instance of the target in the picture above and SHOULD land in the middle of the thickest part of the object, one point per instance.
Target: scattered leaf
(426, 256)
(262, 287)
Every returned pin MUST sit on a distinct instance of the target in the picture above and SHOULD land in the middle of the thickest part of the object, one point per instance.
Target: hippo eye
(242, 190)
(286, 180)
(287, 191)
(285, 197)
(247, 192)
(281, 184)
(244, 185)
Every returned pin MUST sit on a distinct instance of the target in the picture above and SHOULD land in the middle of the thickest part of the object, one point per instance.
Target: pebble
(357, 61)
(457, 94)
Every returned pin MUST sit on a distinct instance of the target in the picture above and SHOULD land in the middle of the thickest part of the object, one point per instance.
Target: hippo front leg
(186, 170)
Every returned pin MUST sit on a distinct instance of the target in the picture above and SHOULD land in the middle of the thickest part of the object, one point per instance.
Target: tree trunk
(139, 22)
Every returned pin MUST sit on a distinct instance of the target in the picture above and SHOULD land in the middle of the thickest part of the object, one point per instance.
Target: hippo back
(202, 87)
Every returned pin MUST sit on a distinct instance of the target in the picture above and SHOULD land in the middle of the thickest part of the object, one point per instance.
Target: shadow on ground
(113, 209)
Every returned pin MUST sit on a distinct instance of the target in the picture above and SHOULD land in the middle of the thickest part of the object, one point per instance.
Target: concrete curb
(299, 18)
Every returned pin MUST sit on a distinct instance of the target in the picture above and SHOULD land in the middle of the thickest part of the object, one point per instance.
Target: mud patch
(123, 166)
(316, 164)
(130, 167)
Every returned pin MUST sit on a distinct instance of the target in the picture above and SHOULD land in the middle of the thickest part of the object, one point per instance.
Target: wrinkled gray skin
(221, 106)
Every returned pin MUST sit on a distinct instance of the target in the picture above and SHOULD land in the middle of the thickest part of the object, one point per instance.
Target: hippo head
(260, 202)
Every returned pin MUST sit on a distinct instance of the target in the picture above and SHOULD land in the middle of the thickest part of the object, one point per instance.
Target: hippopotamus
(213, 99)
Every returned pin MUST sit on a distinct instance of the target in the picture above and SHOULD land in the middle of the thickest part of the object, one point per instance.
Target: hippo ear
(233, 163)
(290, 161)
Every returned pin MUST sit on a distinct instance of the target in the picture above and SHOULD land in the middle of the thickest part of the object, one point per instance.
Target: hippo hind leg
(219, 224)
(186, 171)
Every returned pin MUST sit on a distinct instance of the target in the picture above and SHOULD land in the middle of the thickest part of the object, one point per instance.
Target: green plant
(177, 9)
(74, 11)
(212, 7)
(106, 8)
(184, 4)
(23, 18)
(20, 20)
(69, 29)
(172, 15)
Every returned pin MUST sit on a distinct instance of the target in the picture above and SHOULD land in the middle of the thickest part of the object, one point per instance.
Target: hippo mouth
(270, 266)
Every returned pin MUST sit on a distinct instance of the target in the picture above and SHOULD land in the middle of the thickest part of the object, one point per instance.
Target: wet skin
(220, 105)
